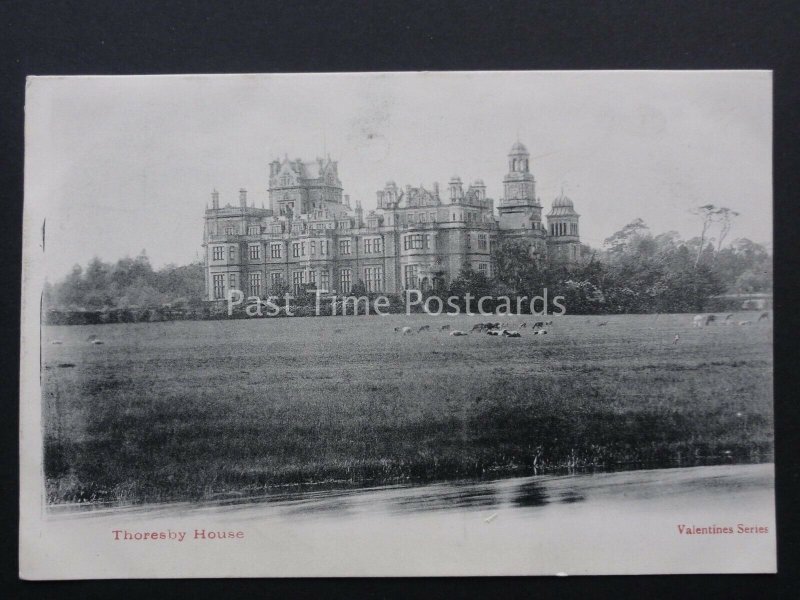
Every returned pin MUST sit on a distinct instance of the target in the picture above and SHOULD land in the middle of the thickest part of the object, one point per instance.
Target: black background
(124, 37)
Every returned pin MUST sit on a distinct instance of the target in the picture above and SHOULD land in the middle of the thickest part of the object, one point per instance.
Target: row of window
(419, 241)
(371, 246)
(299, 249)
(373, 281)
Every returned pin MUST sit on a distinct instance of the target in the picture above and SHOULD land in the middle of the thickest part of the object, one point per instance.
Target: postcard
(397, 324)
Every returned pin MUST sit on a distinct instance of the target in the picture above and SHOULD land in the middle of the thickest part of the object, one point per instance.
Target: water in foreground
(626, 522)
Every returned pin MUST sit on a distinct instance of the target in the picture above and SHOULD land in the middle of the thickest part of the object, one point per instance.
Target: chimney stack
(215, 199)
(243, 198)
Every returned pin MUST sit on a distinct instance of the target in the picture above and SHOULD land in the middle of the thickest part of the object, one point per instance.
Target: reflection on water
(531, 494)
(463, 496)
(524, 496)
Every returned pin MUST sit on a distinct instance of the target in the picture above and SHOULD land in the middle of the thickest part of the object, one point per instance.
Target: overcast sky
(126, 163)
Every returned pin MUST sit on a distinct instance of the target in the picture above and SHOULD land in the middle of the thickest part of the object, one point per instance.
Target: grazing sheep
(540, 332)
(745, 322)
(675, 340)
(396, 329)
(762, 316)
(493, 332)
(513, 334)
(602, 324)
(458, 333)
(523, 325)
(406, 331)
(424, 328)
(444, 328)
(548, 324)
(703, 320)
(91, 338)
(96, 342)
(538, 325)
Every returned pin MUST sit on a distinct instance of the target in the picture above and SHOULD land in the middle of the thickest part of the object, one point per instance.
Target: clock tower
(520, 210)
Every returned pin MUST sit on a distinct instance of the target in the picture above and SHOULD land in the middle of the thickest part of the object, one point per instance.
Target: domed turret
(564, 244)
(518, 148)
(562, 207)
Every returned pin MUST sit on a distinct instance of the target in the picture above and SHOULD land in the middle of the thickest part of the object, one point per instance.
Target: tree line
(634, 272)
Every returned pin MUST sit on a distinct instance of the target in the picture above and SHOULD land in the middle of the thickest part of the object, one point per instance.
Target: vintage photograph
(464, 323)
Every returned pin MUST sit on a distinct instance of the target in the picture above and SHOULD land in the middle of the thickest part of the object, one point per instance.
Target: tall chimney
(215, 199)
(243, 198)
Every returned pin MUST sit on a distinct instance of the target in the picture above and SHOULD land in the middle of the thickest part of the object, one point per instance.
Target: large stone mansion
(310, 236)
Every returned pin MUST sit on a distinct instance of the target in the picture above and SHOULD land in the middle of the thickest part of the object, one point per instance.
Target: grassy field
(190, 410)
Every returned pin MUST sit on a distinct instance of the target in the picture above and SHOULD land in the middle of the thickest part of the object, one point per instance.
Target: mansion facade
(311, 236)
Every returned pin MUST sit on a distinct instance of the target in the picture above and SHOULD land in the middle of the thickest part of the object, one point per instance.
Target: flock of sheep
(489, 328)
(706, 320)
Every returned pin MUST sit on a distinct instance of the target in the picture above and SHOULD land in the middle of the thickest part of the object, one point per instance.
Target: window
(372, 245)
(302, 248)
(469, 241)
(345, 279)
(232, 253)
(276, 281)
(229, 231)
(412, 277)
(218, 252)
(298, 279)
(483, 269)
(255, 251)
(377, 245)
(219, 286)
(255, 284)
(323, 247)
(324, 279)
(312, 277)
(253, 230)
(413, 242)
(373, 276)
(313, 248)
(482, 241)
(295, 249)
(368, 246)
(344, 246)
(275, 250)
(232, 281)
